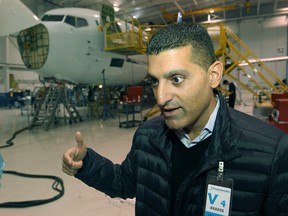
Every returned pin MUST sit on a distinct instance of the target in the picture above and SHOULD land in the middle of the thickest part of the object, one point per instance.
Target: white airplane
(68, 45)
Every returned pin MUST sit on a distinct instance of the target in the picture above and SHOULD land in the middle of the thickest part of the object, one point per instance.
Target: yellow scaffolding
(128, 42)
(131, 39)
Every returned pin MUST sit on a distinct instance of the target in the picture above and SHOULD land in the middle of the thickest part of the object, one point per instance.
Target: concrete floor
(38, 151)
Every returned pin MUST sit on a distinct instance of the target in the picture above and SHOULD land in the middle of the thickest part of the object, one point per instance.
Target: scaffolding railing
(131, 37)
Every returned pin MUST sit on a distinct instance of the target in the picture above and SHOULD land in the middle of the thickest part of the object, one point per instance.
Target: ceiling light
(116, 8)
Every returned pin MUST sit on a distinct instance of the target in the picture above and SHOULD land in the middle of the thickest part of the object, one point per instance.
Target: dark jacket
(255, 156)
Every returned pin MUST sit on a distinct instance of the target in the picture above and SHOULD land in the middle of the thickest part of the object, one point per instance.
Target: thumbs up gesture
(72, 158)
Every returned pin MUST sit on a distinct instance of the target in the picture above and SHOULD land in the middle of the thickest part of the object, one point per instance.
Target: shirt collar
(205, 132)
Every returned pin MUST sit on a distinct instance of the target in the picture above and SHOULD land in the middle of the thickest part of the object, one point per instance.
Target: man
(198, 156)
(232, 95)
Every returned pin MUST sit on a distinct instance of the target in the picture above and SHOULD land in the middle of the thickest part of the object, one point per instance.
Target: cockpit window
(76, 21)
(52, 18)
(81, 22)
(70, 20)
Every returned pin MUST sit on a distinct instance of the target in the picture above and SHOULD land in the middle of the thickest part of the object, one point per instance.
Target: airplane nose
(33, 45)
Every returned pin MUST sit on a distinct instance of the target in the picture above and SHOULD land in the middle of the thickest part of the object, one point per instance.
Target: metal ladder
(46, 105)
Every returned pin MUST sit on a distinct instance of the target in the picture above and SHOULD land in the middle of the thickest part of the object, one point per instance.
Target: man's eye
(177, 79)
(153, 82)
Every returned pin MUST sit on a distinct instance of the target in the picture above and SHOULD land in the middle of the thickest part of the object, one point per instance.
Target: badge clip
(220, 171)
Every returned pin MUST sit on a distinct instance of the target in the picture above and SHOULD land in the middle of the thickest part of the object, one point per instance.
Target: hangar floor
(38, 151)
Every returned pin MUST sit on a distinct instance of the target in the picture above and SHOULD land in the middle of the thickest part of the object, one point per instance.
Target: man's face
(182, 89)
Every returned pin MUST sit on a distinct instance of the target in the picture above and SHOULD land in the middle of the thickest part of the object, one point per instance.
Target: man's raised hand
(72, 158)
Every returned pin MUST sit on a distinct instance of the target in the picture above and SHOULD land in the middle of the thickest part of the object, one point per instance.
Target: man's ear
(215, 73)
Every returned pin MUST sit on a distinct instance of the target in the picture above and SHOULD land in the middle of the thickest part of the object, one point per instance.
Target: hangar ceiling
(166, 11)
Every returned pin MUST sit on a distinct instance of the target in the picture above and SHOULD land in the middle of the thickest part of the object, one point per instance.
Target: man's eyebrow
(176, 72)
(182, 72)
(149, 76)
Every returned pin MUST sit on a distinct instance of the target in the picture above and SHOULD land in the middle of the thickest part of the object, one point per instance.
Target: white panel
(250, 33)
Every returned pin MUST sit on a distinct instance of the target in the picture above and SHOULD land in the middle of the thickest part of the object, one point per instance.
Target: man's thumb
(79, 139)
(80, 148)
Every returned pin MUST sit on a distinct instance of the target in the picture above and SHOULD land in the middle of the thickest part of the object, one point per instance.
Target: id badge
(218, 196)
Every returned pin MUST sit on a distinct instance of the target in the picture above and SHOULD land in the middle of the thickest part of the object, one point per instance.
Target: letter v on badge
(218, 194)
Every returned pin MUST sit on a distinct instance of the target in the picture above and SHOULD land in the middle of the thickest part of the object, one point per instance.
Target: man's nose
(163, 94)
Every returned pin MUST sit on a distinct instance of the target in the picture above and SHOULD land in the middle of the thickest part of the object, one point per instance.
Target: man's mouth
(169, 112)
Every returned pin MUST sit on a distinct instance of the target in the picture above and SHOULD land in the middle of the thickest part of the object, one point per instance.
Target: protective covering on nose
(34, 46)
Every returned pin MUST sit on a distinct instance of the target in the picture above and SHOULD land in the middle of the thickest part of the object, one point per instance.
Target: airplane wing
(15, 16)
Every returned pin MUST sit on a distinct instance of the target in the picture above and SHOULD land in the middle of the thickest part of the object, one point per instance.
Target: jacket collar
(225, 135)
(224, 138)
